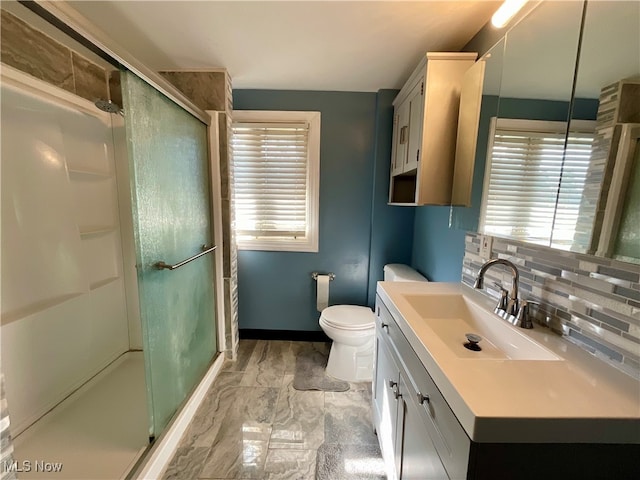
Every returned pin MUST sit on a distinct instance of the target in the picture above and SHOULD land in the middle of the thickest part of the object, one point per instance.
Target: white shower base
(99, 432)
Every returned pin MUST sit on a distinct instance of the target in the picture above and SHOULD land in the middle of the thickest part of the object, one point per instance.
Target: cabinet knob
(394, 386)
(384, 325)
(422, 399)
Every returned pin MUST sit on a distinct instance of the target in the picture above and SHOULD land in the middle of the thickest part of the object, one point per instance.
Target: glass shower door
(168, 158)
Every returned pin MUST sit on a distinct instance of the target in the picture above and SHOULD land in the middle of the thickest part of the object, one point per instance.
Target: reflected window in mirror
(526, 146)
(462, 217)
(526, 161)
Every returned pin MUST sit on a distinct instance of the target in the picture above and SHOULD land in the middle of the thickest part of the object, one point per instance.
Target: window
(533, 185)
(276, 170)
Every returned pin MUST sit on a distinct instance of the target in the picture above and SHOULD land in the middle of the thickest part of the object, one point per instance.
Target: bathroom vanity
(527, 405)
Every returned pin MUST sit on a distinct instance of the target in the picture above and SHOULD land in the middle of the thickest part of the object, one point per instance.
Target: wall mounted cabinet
(424, 130)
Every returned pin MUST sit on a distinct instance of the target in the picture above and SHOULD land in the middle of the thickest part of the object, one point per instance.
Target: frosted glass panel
(170, 196)
(628, 241)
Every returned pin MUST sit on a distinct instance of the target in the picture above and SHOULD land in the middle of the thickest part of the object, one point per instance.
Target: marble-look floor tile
(299, 419)
(238, 453)
(219, 400)
(290, 465)
(298, 348)
(347, 418)
(267, 364)
(245, 350)
(349, 462)
(186, 463)
(272, 432)
(234, 407)
(360, 386)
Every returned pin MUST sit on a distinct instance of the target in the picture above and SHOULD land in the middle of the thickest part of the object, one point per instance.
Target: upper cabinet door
(401, 135)
(416, 104)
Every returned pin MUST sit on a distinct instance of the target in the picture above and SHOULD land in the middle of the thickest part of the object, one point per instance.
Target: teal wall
(359, 232)
(391, 226)
(275, 289)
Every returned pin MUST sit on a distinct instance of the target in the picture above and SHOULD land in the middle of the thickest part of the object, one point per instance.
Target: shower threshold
(100, 432)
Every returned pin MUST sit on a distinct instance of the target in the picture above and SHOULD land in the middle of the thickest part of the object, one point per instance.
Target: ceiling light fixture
(506, 12)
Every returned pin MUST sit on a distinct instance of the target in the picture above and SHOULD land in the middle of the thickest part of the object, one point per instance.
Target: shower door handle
(205, 250)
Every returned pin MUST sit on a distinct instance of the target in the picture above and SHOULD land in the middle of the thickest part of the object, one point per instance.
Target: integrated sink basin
(452, 316)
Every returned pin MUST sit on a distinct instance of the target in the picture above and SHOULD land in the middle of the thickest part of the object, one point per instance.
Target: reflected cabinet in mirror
(557, 140)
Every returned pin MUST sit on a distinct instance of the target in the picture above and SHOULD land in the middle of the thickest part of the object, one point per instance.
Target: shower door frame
(68, 20)
(162, 450)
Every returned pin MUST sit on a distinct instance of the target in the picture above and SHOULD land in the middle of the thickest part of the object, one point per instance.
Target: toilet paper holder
(314, 275)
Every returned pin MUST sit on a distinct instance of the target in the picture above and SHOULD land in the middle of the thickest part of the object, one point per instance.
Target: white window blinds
(524, 194)
(274, 180)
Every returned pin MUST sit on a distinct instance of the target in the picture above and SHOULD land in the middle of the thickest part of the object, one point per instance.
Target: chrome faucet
(512, 305)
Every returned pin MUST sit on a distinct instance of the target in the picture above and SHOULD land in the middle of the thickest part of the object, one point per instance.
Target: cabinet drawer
(450, 439)
(385, 324)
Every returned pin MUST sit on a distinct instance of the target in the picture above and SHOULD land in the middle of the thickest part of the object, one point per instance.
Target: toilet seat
(348, 317)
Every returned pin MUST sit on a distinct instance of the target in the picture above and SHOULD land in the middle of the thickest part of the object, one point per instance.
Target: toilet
(352, 330)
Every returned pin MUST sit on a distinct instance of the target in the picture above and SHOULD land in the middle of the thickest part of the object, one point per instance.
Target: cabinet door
(384, 400)
(416, 109)
(419, 459)
(394, 144)
(401, 138)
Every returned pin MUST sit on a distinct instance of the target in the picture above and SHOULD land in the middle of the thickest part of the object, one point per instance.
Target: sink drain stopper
(472, 343)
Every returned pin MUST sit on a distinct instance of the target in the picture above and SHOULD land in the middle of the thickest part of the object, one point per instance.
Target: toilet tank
(397, 272)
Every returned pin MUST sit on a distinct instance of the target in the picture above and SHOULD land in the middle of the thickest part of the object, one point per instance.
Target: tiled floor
(254, 424)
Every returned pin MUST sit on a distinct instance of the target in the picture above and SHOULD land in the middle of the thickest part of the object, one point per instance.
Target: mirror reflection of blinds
(271, 178)
(526, 167)
(574, 177)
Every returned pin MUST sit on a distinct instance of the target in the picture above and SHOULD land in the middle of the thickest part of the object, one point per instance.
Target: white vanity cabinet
(421, 437)
(425, 126)
(418, 433)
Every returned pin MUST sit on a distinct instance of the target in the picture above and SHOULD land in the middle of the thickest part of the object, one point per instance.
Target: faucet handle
(523, 320)
(504, 299)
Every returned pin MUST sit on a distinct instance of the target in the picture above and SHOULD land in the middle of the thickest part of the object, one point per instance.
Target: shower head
(108, 106)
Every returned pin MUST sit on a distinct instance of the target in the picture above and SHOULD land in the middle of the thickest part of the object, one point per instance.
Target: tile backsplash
(593, 302)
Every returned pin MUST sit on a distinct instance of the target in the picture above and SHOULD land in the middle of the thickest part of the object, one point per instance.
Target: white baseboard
(162, 452)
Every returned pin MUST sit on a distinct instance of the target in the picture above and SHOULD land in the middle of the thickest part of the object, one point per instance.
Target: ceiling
(296, 45)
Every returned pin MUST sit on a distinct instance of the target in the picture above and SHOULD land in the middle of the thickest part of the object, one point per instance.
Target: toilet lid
(349, 317)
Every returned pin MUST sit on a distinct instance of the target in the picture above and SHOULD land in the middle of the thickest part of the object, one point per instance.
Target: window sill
(279, 246)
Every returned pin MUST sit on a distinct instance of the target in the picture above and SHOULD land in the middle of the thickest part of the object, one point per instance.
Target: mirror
(608, 76)
(565, 203)
(527, 138)
(476, 148)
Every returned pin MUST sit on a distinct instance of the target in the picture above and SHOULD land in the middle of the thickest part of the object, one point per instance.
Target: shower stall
(108, 306)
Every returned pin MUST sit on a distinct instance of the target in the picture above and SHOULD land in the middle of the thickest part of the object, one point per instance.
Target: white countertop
(579, 399)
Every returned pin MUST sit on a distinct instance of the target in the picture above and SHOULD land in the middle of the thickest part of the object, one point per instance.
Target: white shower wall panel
(64, 315)
(39, 229)
(88, 145)
(94, 198)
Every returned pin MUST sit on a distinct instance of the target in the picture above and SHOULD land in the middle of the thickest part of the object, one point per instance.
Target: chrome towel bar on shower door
(205, 250)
